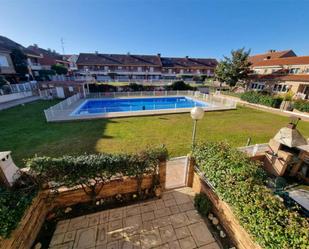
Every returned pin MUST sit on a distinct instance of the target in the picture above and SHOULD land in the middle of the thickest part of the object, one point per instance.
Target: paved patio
(171, 222)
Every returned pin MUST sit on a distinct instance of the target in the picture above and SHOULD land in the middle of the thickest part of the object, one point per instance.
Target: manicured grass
(25, 131)
(116, 83)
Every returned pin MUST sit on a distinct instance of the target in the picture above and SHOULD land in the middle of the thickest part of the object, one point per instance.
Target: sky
(195, 28)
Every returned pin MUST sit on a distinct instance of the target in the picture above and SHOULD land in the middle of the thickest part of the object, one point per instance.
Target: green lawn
(25, 132)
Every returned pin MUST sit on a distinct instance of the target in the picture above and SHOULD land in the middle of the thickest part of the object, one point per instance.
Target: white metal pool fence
(255, 149)
(67, 106)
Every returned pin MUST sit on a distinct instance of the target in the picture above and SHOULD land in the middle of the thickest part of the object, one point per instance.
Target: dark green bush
(241, 183)
(179, 85)
(136, 87)
(202, 204)
(301, 105)
(12, 207)
(262, 99)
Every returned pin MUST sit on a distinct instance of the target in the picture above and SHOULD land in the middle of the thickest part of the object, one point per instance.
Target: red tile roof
(143, 60)
(118, 59)
(290, 77)
(8, 45)
(297, 60)
(48, 57)
(271, 55)
(187, 62)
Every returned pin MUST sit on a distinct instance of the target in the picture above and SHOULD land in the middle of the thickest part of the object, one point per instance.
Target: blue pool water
(98, 106)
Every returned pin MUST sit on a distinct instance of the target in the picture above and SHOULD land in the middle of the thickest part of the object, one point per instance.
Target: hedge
(262, 99)
(92, 171)
(241, 183)
(301, 105)
(12, 207)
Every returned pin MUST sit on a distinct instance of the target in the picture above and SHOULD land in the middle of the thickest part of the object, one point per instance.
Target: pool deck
(65, 115)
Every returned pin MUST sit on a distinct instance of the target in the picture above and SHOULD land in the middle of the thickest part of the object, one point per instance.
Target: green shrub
(301, 105)
(262, 99)
(241, 183)
(202, 204)
(12, 207)
(92, 171)
(179, 85)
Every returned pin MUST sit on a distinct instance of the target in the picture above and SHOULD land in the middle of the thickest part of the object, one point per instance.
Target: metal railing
(66, 107)
(65, 104)
(253, 150)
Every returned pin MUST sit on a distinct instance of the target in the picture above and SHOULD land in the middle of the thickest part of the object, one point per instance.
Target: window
(151, 69)
(258, 86)
(294, 70)
(280, 88)
(139, 69)
(3, 61)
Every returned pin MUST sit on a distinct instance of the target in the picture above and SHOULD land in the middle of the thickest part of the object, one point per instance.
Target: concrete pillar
(190, 174)
(162, 174)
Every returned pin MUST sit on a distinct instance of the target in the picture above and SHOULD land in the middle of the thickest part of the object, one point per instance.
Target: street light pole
(197, 113)
(194, 133)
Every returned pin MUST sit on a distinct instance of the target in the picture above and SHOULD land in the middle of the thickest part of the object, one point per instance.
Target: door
(176, 172)
(60, 92)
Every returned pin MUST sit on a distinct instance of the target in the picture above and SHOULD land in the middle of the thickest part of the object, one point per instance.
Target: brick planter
(30, 225)
(223, 211)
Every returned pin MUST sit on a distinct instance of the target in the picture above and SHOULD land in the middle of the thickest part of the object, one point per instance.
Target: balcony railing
(35, 66)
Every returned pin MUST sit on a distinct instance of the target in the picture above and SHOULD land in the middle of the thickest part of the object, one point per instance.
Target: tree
(4, 85)
(234, 69)
(3, 81)
(59, 69)
(20, 61)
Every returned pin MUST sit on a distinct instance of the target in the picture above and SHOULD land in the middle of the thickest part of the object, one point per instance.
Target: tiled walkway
(171, 222)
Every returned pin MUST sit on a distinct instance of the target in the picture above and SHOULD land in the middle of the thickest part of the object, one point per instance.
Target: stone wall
(225, 214)
(25, 234)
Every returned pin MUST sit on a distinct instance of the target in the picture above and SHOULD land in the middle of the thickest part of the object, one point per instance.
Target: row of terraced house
(280, 72)
(274, 71)
(105, 67)
(125, 67)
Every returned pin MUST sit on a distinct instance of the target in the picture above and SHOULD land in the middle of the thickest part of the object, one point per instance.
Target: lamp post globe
(197, 113)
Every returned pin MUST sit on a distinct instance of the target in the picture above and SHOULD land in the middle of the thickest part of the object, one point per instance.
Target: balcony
(118, 71)
(35, 66)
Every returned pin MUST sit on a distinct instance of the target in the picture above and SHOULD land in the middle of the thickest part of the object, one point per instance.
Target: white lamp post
(197, 113)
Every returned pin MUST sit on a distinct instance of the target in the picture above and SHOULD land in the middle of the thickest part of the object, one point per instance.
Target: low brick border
(30, 225)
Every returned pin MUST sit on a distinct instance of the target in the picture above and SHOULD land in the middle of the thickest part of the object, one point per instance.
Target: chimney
(187, 57)
(35, 45)
(271, 50)
(96, 52)
(128, 53)
(159, 54)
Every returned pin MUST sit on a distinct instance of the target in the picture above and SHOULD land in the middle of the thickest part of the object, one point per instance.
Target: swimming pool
(101, 106)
